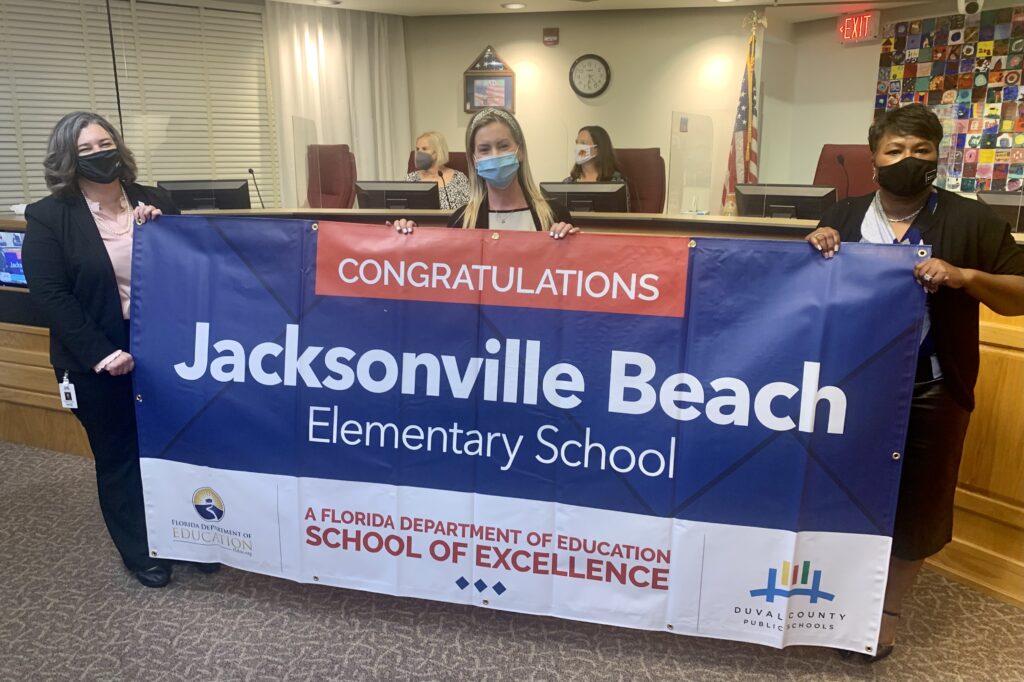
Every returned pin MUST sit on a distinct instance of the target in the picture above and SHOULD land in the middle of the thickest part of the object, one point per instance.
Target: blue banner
(768, 390)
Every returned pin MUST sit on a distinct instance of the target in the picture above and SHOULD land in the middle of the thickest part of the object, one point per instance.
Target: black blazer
(967, 234)
(71, 280)
(483, 216)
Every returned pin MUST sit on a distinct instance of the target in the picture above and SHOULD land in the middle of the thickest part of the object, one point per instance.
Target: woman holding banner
(974, 259)
(502, 193)
(77, 258)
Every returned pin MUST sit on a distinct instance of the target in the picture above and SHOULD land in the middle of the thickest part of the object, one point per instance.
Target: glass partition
(689, 171)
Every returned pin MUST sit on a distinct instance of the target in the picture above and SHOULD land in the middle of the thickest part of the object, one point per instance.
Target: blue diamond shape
(499, 588)
(462, 583)
(480, 585)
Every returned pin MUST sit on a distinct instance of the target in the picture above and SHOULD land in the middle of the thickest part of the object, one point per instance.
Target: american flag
(742, 166)
(489, 93)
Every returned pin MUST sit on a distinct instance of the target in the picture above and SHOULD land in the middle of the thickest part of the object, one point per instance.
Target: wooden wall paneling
(987, 551)
(30, 410)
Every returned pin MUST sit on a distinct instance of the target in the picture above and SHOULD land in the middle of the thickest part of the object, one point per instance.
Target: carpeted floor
(69, 612)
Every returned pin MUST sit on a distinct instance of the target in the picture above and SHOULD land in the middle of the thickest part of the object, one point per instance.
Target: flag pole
(743, 160)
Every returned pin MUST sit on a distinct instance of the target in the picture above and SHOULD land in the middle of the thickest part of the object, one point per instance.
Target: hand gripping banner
(699, 436)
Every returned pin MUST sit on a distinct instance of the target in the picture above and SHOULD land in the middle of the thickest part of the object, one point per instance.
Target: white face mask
(585, 152)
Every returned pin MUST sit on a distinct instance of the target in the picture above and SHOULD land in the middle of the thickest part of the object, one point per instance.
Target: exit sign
(856, 28)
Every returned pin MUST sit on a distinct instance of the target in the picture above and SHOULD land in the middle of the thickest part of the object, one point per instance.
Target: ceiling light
(328, 3)
(725, 1)
(514, 5)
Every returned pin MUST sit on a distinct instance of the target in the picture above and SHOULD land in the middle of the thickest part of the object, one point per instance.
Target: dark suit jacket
(71, 279)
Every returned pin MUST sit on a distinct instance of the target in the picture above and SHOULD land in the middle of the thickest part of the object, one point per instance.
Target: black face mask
(102, 167)
(908, 177)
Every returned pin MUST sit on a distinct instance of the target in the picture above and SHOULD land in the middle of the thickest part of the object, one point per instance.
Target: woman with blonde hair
(502, 193)
(431, 161)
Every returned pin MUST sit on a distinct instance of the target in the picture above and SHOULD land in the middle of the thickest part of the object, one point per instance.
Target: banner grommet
(896, 456)
(495, 236)
(315, 226)
(921, 253)
(138, 398)
(693, 243)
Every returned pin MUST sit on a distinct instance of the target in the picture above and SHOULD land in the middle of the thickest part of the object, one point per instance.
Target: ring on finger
(927, 278)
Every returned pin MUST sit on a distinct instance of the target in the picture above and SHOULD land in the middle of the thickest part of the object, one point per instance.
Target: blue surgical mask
(498, 171)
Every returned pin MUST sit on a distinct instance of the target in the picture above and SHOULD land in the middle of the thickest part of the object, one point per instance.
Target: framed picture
(489, 83)
(489, 90)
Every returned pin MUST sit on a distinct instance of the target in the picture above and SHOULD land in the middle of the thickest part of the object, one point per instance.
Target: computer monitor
(390, 194)
(12, 274)
(604, 197)
(1007, 205)
(807, 202)
(192, 195)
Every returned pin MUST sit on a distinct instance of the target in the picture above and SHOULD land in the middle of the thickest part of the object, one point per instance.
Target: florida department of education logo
(208, 504)
(797, 580)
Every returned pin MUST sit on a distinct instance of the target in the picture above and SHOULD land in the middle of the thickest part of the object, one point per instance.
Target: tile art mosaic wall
(967, 69)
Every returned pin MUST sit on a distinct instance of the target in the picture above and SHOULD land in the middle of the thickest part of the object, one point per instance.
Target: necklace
(894, 219)
(502, 217)
(97, 218)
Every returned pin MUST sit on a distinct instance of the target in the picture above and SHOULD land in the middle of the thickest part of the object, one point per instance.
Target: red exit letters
(855, 28)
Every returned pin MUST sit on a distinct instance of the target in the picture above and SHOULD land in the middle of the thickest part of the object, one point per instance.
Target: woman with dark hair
(77, 257)
(974, 259)
(595, 157)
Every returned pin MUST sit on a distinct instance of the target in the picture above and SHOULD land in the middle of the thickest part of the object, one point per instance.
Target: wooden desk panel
(30, 410)
(655, 223)
(988, 525)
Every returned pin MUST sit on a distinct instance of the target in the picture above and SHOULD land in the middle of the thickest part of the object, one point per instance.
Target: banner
(696, 436)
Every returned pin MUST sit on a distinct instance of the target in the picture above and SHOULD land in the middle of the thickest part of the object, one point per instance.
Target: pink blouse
(119, 247)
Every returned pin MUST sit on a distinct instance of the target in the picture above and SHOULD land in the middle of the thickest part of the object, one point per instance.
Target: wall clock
(589, 75)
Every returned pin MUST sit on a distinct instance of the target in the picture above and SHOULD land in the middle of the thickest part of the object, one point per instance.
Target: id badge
(68, 398)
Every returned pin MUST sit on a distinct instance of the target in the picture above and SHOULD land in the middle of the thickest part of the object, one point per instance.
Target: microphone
(256, 185)
(440, 174)
(841, 160)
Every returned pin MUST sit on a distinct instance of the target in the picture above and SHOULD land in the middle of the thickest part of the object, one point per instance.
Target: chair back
(645, 173)
(332, 176)
(852, 176)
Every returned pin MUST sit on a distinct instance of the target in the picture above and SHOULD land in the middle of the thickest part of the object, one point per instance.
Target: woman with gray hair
(77, 256)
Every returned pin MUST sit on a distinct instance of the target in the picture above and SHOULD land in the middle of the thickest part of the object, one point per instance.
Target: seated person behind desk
(503, 195)
(595, 159)
(431, 157)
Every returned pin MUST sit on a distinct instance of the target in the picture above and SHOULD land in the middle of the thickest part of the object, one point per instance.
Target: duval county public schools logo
(800, 580)
(208, 504)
